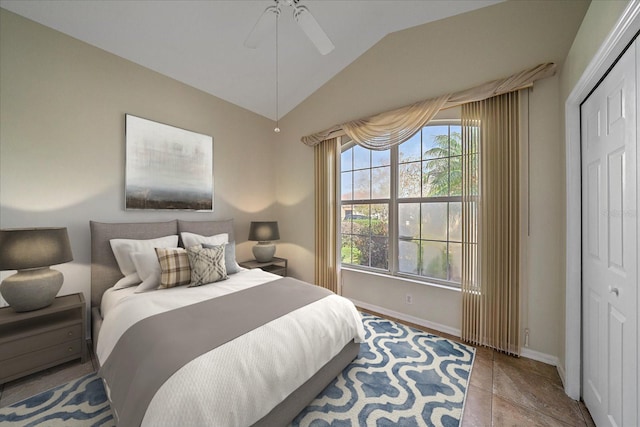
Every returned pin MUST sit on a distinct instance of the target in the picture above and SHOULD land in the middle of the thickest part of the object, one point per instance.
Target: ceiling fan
(302, 16)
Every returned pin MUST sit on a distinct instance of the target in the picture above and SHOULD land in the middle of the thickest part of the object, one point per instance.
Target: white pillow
(148, 268)
(127, 281)
(191, 239)
(122, 249)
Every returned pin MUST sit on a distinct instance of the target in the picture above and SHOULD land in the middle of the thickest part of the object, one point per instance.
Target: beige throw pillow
(174, 267)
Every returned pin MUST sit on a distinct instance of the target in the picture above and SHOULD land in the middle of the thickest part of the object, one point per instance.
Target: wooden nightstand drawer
(276, 265)
(39, 341)
(34, 340)
(42, 358)
(275, 269)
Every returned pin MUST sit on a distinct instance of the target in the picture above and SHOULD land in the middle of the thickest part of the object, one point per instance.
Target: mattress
(239, 382)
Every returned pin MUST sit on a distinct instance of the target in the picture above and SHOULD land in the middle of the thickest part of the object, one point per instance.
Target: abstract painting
(167, 167)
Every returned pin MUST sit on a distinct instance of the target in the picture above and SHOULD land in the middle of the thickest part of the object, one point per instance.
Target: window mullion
(393, 211)
(432, 199)
(368, 202)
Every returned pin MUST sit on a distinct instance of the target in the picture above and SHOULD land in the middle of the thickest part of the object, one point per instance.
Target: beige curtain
(491, 261)
(326, 178)
(385, 130)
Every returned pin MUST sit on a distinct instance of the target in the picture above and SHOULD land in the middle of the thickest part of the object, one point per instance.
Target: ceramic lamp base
(264, 251)
(32, 289)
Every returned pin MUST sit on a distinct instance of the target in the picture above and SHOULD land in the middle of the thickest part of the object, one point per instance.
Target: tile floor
(503, 391)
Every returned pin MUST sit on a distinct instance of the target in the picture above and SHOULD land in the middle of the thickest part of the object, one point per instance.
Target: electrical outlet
(409, 299)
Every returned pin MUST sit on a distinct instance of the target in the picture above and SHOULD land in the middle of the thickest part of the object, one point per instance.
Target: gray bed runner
(143, 358)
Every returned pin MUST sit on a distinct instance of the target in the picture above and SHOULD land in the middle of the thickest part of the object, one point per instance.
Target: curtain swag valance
(385, 130)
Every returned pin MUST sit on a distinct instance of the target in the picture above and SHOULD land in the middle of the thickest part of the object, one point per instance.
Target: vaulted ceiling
(201, 43)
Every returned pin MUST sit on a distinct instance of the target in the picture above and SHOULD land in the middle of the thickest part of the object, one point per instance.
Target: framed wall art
(167, 168)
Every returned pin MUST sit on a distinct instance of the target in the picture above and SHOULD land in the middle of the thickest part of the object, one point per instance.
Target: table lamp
(264, 232)
(32, 251)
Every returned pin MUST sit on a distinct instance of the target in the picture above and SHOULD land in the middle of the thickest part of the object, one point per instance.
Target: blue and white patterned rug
(402, 377)
(80, 403)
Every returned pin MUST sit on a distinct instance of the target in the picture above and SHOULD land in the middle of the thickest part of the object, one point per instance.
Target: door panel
(593, 345)
(615, 106)
(616, 366)
(609, 250)
(592, 230)
(615, 209)
(593, 209)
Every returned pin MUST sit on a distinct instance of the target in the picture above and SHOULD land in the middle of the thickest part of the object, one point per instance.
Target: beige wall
(425, 61)
(598, 22)
(62, 140)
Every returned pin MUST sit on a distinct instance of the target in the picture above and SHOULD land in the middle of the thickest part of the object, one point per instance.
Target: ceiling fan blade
(264, 26)
(312, 29)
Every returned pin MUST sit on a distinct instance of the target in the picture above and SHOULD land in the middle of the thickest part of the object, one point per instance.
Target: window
(366, 189)
(401, 209)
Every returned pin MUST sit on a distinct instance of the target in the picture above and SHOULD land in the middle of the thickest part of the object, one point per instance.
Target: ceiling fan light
(312, 29)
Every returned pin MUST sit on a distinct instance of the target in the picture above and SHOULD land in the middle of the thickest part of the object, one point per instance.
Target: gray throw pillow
(207, 265)
(229, 256)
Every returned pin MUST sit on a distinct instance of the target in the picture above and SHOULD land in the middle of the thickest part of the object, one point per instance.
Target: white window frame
(393, 229)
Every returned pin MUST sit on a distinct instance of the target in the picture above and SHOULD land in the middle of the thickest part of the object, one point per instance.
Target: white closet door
(610, 247)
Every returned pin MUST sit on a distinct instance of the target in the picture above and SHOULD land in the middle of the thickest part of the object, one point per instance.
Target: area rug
(402, 377)
(80, 403)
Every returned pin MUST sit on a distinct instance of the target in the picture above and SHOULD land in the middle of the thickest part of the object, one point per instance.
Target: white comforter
(241, 381)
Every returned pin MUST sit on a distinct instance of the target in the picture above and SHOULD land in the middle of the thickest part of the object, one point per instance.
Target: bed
(264, 375)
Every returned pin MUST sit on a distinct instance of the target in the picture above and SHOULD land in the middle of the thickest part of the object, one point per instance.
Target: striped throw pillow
(207, 264)
(174, 267)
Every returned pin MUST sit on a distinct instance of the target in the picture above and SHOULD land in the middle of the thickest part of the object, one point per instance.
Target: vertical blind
(491, 261)
(326, 178)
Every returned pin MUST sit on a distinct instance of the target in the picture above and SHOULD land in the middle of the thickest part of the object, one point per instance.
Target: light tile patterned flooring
(503, 391)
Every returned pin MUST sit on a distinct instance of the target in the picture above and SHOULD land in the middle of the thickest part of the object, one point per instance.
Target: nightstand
(35, 340)
(276, 265)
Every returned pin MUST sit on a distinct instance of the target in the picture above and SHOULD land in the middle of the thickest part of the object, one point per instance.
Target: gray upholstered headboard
(104, 268)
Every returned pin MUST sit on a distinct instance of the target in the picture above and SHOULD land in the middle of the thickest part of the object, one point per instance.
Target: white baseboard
(561, 372)
(526, 352)
(540, 357)
(408, 318)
